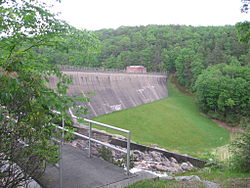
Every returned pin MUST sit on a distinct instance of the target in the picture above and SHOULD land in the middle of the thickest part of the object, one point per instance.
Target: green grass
(174, 123)
(222, 176)
(159, 183)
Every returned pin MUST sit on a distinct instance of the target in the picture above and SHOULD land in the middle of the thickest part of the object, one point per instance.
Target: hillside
(210, 61)
(174, 123)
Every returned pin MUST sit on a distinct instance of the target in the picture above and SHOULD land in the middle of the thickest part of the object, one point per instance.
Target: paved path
(80, 171)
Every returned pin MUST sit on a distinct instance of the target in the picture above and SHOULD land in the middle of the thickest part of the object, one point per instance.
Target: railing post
(90, 135)
(61, 158)
(63, 125)
(128, 152)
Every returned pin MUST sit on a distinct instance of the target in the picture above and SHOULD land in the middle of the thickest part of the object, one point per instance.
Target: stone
(154, 145)
(148, 160)
(190, 164)
(186, 166)
(166, 163)
(161, 168)
(167, 178)
(209, 184)
(155, 155)
(146, 157)
(188, 178)
(173, 160)
(165, 159)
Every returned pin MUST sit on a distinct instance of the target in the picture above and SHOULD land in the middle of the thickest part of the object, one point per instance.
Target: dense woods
(212, 62)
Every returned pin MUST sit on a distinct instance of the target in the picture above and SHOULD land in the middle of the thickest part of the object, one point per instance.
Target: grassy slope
(174, 123)
(224, 177)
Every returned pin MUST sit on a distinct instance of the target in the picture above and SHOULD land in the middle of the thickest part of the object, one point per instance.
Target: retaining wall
(114, 91)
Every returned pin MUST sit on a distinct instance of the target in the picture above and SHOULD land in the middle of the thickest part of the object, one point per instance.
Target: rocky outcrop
(156, 161)
(152, 160)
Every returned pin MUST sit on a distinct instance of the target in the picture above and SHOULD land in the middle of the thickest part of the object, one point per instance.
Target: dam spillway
(114, 91)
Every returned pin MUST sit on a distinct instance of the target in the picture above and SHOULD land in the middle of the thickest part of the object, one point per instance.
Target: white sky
(98, 14)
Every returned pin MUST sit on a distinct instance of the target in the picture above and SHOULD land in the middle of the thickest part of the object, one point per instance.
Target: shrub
(240, 149)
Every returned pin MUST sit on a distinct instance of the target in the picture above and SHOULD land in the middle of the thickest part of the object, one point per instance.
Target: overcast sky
(98, 14)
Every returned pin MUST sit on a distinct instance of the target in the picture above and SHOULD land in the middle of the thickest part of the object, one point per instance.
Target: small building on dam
(114, 90)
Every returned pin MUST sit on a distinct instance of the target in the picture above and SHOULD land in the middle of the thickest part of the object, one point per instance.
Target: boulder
(188, 178)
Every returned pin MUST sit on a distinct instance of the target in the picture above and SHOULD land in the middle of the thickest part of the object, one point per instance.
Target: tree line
(211, 61)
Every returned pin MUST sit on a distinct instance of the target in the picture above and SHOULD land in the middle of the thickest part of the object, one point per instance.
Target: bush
(240, 148)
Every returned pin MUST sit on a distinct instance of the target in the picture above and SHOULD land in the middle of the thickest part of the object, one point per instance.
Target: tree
(245, 5)
(222, 91)
(26, 103)
(243, 29)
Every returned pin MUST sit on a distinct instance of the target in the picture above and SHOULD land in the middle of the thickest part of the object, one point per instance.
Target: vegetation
(209, 61)
(222, 176)
(159, 183)
(26, 103)
(240, 149)
(174, 123)
(223, 90)
(186, 51)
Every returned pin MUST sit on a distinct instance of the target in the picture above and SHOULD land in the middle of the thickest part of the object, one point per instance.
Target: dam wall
(114, 91)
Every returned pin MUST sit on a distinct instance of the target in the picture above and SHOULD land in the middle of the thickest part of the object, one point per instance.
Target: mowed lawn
(174, 123)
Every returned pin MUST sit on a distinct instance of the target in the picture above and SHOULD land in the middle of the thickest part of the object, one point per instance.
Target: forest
(212, 62)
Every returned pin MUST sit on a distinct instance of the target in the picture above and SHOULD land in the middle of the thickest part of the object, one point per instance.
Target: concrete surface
(80, 171)
(115, 91)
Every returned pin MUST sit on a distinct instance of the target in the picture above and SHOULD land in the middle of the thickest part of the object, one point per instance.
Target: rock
(188, 178)
(161, 168)
(146, 157)
(209, 184)
(167, 178)
(176, 165)
(186, 166)
(166, 163)
(153, 145)
(155, 155)
(138, 155)
(148, 160)
(173, 160)
(190, 164)
(174, 170)
(165, 159)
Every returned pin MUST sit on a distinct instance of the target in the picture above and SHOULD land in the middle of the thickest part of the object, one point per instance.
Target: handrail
(107, 126)
(92, 139)
(89, 137)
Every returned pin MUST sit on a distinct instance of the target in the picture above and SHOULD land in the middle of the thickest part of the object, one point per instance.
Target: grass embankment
(174, 123)
(222, 176)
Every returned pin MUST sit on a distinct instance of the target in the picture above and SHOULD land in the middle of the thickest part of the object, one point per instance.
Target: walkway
(80, 171)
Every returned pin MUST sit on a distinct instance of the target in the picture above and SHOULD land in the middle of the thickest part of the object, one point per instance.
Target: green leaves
(26, 103)
(243, 29)
(223, 91)
(240, 148)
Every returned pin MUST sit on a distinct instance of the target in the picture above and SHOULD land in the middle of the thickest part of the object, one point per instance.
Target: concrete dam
(114, 91)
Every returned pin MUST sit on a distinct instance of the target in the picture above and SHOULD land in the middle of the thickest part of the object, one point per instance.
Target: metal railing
(103, 70)
(89, 137)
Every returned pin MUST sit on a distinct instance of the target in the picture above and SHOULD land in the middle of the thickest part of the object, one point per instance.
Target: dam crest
(113, 90)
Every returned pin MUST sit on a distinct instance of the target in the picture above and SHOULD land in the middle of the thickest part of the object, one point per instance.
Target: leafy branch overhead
(245, 6)
(26, 120)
